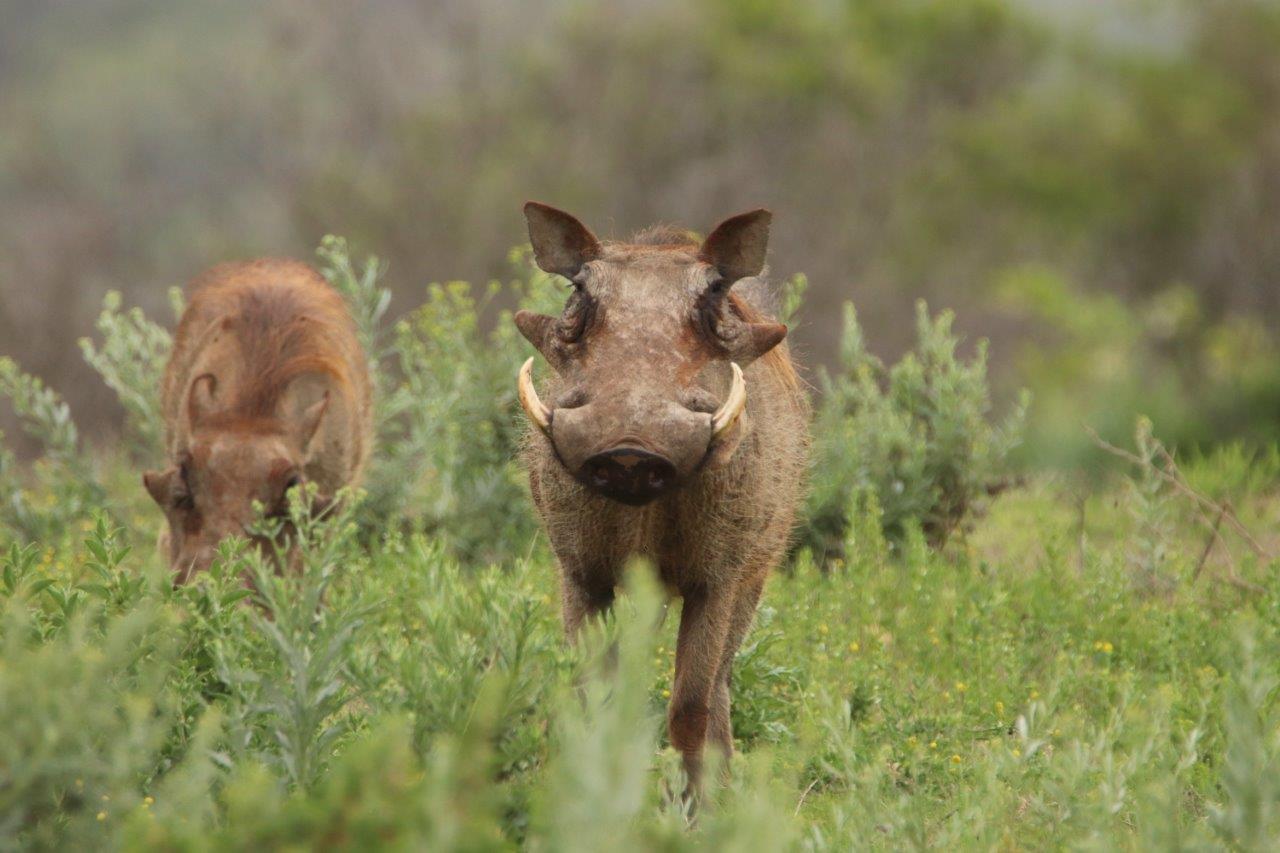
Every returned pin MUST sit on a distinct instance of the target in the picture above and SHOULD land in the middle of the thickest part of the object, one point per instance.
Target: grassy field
(1080, 662)
(1067, 673)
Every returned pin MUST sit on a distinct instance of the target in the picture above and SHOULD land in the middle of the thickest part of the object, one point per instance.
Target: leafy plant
(131, 361)
(292, 676)
(917, 437)
(63, 485)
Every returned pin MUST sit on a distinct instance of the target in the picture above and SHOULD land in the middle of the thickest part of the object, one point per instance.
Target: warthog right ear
(200, 402)
(561, 244)
(159, 485)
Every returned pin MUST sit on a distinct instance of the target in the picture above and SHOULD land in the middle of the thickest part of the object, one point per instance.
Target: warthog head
(649, 351)
(228, 464)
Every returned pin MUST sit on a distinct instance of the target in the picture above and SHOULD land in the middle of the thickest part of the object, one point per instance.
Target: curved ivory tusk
(538, 413)
(727, 415)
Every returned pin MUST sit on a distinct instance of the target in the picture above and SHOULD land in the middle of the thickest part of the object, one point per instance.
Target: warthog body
(267, 388)
(642, 450)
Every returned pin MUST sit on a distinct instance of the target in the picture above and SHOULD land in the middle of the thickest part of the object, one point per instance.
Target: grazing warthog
(675, 430)
(267, 388)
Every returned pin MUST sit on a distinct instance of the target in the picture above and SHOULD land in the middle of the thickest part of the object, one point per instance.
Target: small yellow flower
(955, 759)
(1107, 648)
(854, 647)
(102, 815)
(666, 694)
(911, 741)
(946, 694)
(933, 744)
(961, 687)
(105, 798)
(147, 801)
(1034, 694)
(823, 629)
(999, 707)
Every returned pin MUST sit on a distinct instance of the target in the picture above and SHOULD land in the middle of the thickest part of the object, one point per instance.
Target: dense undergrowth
(1070, 668)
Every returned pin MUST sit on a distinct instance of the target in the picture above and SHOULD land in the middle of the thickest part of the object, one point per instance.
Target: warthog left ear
(737, 246)
(561, 244)
(310, 422)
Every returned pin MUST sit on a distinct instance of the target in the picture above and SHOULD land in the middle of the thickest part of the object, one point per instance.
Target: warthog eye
(711, 315)
(281, 509)
(182, 498)
(577, 314)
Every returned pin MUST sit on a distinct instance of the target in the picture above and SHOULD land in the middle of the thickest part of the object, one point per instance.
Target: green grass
(1027, 687)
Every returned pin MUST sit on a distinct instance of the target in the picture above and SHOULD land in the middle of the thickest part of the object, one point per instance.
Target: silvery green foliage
(131, 360)
(447, 424)
(62, 486)
(918, 437)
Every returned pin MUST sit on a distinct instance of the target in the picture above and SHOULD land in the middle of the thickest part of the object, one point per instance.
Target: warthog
(675, 430)
(267, 388)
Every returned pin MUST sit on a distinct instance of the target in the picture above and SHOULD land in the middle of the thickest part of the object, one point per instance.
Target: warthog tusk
(727, 415)
(538, 413)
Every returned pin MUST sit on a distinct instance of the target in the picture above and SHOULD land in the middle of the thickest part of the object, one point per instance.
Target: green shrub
(448, 428)
(131, 361)
(62, 487)
(916, 438)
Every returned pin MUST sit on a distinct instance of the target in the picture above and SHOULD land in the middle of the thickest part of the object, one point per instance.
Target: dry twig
(1171, 475)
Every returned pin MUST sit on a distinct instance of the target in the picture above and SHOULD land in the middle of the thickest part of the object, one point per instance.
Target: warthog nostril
(599, 475)
(629, 475)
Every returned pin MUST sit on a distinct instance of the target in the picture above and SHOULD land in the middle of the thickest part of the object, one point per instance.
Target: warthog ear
(200, 401)
(310, 422)
(737, 246)
(159, 485)
(561, 244)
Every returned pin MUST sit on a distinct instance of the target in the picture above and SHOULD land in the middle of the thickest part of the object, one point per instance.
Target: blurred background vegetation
(1094, 187)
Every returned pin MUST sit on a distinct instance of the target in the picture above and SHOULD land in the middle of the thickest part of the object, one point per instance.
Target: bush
(61, 487)
(915, 439)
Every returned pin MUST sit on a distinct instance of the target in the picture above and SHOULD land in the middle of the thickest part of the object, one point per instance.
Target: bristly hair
(282, 338)
(664, 235)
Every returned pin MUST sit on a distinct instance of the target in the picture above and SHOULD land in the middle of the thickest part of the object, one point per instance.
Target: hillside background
(1094, 187)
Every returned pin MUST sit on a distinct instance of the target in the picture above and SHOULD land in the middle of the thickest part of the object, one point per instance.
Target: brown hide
(267, 387)
(651, 327)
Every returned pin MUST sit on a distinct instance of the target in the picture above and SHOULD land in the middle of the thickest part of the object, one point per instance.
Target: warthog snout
(629, 445)
(629, 475)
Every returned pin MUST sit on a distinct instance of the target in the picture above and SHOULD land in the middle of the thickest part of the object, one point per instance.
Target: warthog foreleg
(704, 630)
(719, 728)
(583, 596)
